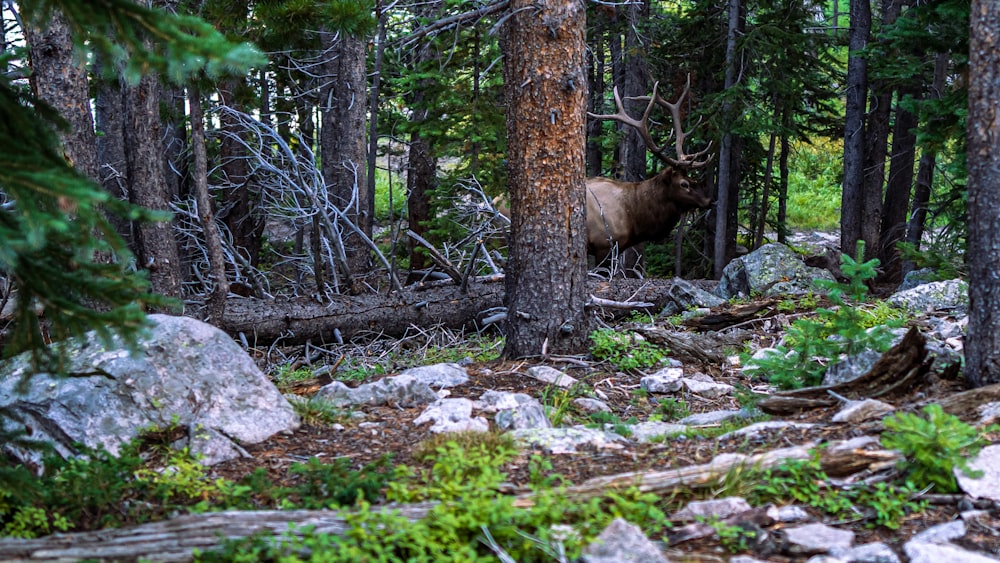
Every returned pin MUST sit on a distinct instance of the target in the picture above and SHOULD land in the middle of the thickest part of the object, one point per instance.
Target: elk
(623, 214)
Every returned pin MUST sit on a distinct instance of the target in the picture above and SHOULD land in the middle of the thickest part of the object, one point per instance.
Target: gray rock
(854, 412)
(495, 401)
(939, 553)
(552, 376)
(666, 380)
(916, 277)
(684, 295)
(183, 372)
(817, 538)
(649, 431)
(708, 389)
(715, 508)
(791, 513)
(876, 552)
(404, 390)
(988, 484)
(989, 413)
(622, 542)
(566, 440)
(714, 417)
(773, 269)
(943, 328)
(757, 428)
(591, 406)
(941, 533)
(745, 559)
(950, 295)
(452, 415)
(529, 413)
(851, 367)
(439, 376)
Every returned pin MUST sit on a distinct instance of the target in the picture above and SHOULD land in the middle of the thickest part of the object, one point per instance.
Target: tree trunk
(199, 173)
(897, 191)
(765, 192)
(156, 244)
(925, 171)
(852, 200)
(59, 77)
(783, 179)
(545, 89)
(595, 81)
(725, 202)
(109, 116)
(344, 107)
(982, 345)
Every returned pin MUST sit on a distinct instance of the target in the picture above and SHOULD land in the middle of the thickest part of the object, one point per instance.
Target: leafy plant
(836, 332)
(672, 409)
(326, 485)
(732, 538)
(624, 351)
(933, 446)
(317, 411)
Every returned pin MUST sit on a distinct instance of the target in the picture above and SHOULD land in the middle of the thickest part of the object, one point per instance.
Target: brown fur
(629, 213)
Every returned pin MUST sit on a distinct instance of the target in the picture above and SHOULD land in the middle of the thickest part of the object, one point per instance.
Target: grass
(814, 185)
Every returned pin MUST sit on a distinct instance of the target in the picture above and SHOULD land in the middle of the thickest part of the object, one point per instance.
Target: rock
(988, 484)
(452, 415)
(851, 368)
(404, 390)
(649, 431)
(666, 380)
(914, 278)
(495, 401)
(860, 411)
(622, 542)
(756, 428)
(773, 269)
(714, 417)
(684, 295)
(708, 389)
(715, 508)
(817, 538)
(989, 413)
(439, 375)
(791, 513)
(942, 328)
(566, 440)
(552, 376)
(528, 413)
(941, 533)
(875, 552)
(184, 372)
(939, 553)
(950, 295)
(591, 406)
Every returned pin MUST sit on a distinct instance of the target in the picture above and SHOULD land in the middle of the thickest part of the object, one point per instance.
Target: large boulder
(773, 269)
(183, 373)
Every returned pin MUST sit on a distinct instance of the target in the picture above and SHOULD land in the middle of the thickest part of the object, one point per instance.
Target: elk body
(623, 214)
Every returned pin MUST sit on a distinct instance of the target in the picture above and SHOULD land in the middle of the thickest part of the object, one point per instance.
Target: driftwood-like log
(294, 322)
(898, 370)
(707, 347)
(176, 539)
(966, 405)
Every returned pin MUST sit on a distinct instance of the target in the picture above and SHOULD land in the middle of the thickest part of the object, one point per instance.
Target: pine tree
(54, 220)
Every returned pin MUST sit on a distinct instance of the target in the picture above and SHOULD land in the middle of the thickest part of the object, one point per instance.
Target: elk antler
(688, 161)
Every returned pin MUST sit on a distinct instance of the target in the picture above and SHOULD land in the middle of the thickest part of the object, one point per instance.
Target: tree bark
(897, 191)
(982, 346)
(725, 235)
(852, 201)
(59, 77)
(344, 107)
(545, 89)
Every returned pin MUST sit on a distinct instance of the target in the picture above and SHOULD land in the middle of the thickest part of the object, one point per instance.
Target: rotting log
(177, 538)
(262, 322)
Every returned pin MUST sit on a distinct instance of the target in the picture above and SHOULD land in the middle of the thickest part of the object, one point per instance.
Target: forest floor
(391, 430)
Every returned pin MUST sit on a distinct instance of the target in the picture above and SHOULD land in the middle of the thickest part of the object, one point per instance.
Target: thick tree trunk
(545, 89)
(725, 206)
(59, 77)
(852, 201)
(982, 345)
(783, 181)
(897, 191)
(239, 202)
(344, 107)
(109, 116)
(156, 244)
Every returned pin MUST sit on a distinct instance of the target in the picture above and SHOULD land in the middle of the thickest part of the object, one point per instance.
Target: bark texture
(852, 203)
(545, 89)
(982, 346)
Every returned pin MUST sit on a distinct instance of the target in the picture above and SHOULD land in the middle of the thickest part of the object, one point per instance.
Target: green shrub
(624, 351)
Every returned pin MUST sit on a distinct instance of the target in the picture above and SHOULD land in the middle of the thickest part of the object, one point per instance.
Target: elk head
(623, 214)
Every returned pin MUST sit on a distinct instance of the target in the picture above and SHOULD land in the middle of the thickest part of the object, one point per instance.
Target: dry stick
(448, 267)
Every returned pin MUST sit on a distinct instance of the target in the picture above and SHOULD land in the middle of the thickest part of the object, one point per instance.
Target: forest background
(278, 148)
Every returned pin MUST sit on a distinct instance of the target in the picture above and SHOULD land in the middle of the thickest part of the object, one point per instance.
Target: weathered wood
(707, 347)
(296, 321)
(897, 370)
(966, 404)
(176, 539)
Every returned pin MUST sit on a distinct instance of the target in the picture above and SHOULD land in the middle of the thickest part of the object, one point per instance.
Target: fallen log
(262, 322)
(177, 538)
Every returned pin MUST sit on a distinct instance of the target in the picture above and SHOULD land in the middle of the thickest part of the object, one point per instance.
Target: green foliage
(328, 485)
(672, 409)
(946, 263)
(836, 332)
(815, 171)
(805, 481)
(933, 446)
(624, 351)
(732, 538)
(318, 411)
(390, 196)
